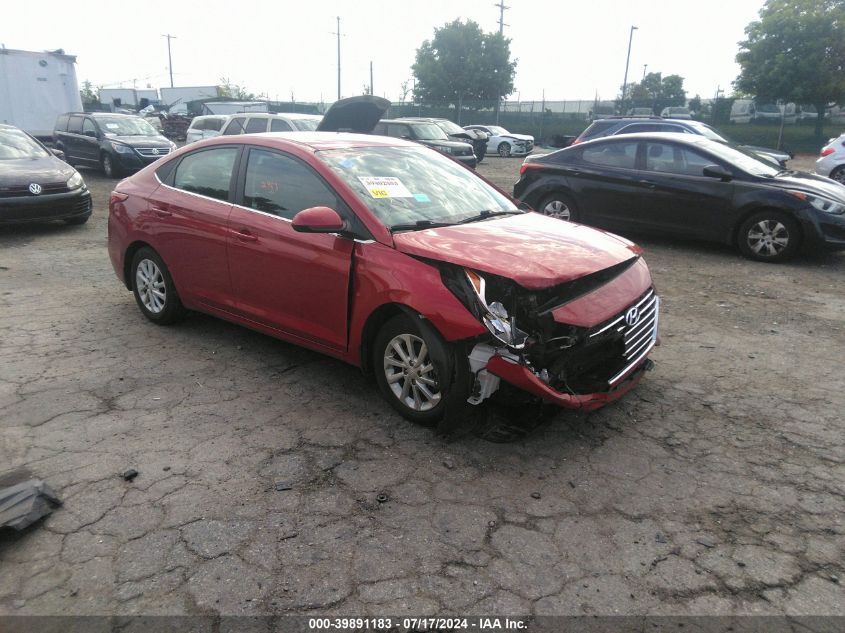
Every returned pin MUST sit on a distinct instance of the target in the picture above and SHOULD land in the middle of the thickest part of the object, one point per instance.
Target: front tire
(504, 149)
(153, 288)
(409, 372)
(559, 205)
(838, 174)
(769, 236)
(110, 169)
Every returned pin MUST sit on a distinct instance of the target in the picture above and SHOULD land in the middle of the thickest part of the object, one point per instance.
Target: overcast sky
(569, 49)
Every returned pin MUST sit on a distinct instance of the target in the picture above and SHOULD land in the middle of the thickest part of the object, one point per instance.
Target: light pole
(645, 67)
(627, 61)
(169, 58)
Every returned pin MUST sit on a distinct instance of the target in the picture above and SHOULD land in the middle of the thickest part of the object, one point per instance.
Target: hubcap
(557, 209)
(410, 373)
(839, 176)
(504, 150)
(150, 284)
(768, 238)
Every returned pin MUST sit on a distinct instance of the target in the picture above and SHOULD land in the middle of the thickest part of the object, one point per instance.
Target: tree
(89, 94)
(234, 91)
(463, 63)
(795, 52)
(656, 91)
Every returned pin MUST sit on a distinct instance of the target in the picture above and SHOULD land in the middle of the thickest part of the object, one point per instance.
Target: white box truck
(35, 88)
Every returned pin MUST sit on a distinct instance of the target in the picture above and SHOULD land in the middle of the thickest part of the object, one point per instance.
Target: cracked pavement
(716, 487)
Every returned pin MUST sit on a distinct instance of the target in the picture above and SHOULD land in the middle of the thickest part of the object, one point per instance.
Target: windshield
(305, 125)
(404, 185)
(713, 135)
(451, 128)
(16, 144)
(126, 126)
(428, 132)
(746, 161)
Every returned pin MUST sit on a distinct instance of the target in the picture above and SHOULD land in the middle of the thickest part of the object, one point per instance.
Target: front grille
(153, 152)
(20, 191)
(637, 328)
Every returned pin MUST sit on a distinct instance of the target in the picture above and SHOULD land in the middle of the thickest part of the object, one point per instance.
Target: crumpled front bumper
(522, 377)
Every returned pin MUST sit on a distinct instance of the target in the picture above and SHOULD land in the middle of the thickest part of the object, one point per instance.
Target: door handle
(244, 235)
(648, 184)
(161, 210)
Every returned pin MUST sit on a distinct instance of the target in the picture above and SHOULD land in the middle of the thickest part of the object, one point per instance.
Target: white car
(503, 142)
(831, 162)
(675, 112)
(206, 126)
(255, 122)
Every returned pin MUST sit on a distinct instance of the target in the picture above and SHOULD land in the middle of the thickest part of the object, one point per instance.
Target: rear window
(597, 127)
(256, 125)
(622, 155)
(61, 123)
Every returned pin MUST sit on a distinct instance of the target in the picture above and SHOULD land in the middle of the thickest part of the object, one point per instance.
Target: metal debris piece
(382, 497)
(281, 485)
(535, 495)
(659, 538)
(130, 474)
(25, 503)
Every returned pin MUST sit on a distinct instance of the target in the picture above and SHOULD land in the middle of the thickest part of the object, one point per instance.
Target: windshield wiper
(487, 213)
(419, 224)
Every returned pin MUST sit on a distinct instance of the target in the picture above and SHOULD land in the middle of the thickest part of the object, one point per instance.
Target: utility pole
(627, 61)
(502, 25)
(645, 66)
(338, 58)
(371, 78)
(169, 58)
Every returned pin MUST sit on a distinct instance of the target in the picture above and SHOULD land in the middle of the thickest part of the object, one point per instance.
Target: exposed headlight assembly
(75, 181)
(494, 315)
(822, 204)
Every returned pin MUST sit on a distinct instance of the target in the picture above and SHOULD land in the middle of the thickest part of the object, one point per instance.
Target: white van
(255, 122)
(743, 111)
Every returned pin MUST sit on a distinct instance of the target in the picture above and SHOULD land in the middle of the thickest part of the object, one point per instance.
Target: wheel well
(133, 248)
(375, 321)
(735, 229)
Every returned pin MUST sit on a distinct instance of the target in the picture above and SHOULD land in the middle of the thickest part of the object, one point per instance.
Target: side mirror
(717, 171)
(57, 153)
(318, 220)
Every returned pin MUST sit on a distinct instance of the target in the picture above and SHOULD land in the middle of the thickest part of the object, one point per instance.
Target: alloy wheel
(557, 209)
(149, 281)
(504, 150)
(768, 238)
(410, 373)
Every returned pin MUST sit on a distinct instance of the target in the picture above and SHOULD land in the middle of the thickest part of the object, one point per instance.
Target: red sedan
(392, 257)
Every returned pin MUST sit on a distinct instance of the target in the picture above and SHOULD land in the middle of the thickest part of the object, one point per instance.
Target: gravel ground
(716, 487)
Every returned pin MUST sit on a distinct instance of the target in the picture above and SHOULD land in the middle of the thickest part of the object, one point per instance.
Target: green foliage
(795, 52)
(236, 92)
(463, 63)
(89, 94)
(655, 91)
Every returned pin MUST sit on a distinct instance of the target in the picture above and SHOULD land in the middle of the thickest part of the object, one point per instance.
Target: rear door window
(236, 126)
(74, 126)
(207, 172)
(622, 155)
(88, 127)
(255, 125)
(398, 131)
(674, 159)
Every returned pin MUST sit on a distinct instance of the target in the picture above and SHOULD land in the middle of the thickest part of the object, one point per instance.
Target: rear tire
(769, 236)
(110, 168)
(154, 289)
(838, 174)
(409, 371)
(559, 205)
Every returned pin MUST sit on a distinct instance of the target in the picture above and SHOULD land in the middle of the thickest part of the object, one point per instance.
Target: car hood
(25, 171)
(533, 250)
(140, 141)
(518, 137)
(809, 183)
(354, 114)
(472, 135)
(767, 150)
(438, 142)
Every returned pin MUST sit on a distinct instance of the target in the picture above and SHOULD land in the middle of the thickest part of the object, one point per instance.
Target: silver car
(831, 162)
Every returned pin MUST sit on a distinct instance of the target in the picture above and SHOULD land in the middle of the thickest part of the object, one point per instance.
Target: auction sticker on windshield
(385, 187)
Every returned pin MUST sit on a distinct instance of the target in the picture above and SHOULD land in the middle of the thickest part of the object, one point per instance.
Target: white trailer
(118, 97)
(35, 88)
(182, 95)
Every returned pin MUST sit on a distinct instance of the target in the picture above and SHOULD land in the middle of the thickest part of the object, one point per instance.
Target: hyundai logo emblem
(35, 189)
(632, 316)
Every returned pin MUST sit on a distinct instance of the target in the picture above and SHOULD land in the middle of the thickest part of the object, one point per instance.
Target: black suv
(117, 143)
(476, 138)
(427, 134)
(632, 125)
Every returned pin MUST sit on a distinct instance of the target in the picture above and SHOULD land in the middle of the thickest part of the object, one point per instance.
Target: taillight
(526, 166)
(827, 151)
